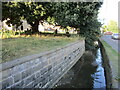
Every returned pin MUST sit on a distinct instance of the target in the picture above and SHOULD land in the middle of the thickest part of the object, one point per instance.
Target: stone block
(51, 60)
(29, 79)
(45, 63)
(44, 70)
(55, 78)
(43, 58)
(18, 85)
(24, 74)
(0, 76)
(49, 55)
(50, 77)
(17, 68)
(27, 64)
(38, 74)
(37, 60)
(38, 86)
(37, 67)
(55, 73)
(47, 85)
(38, 80)
(50, 72)
(17, 77)
(6, 83)
(44, 82)
(49, 67)
(6, 73)
(55, 64)
(30, 85)
(45, 75)
(1, 85)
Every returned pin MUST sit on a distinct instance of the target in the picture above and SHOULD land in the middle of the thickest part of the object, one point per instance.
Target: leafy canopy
(80, 15)
(112, 26)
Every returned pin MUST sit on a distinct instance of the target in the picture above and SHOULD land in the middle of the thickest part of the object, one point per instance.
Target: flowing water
(88, 72)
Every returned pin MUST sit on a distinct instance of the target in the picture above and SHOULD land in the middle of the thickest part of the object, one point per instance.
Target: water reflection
(87, 74)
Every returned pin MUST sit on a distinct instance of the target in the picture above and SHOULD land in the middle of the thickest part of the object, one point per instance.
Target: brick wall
(40, 70)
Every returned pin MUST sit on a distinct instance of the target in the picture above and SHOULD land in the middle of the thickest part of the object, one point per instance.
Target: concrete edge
(113, 84)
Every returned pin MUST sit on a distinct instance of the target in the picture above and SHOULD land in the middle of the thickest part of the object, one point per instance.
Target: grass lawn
(113, 57)
(18, 47)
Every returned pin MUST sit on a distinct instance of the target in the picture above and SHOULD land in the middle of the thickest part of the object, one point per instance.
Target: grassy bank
(19, 47)
(113, 57)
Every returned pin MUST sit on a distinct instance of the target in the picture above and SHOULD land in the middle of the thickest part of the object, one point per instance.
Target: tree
(105, 28)
(33, 12)
(82, 15)
(11, 12)
(66, 14)
(112, 26)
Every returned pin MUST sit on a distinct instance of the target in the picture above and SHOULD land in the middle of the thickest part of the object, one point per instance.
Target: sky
(108, 11)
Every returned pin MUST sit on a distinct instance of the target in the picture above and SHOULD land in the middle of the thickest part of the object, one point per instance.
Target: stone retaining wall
(40, 70)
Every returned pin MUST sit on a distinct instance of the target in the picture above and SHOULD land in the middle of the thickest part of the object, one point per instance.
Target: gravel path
(115, 44)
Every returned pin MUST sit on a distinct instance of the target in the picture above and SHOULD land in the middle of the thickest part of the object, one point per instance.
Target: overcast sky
(109, 11)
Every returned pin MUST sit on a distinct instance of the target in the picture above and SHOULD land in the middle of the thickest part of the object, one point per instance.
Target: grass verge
(18, 47)
(113, 57)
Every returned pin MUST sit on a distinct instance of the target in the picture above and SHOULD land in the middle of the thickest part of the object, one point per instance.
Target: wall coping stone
(13, 63)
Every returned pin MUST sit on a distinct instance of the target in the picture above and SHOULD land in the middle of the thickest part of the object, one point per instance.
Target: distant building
(25, 25)
(73, 31)
(5, 26)
(41, 28)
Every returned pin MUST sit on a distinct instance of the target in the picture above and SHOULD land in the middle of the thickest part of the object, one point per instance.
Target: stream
(88, 72)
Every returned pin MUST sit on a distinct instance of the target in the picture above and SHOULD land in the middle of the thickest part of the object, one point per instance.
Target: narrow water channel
(88, 72)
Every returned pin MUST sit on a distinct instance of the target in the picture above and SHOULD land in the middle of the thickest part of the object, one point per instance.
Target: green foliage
(80, 15)
(89, 25)
(112, 26)
(12, 11)
(105, 29)
(66, 14)
(33, 12)
(51, 20)
(9, 33)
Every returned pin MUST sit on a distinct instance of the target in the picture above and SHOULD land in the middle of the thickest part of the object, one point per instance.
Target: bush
(8, 33)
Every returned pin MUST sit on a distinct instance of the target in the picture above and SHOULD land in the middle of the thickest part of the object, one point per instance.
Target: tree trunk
(35, 27)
